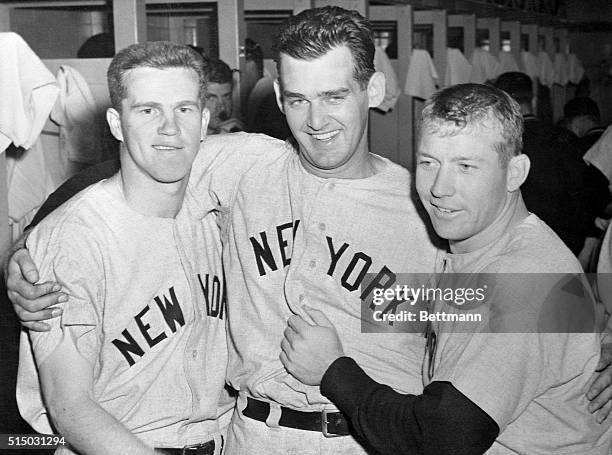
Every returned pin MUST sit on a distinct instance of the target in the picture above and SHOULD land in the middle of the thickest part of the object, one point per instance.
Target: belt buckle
(324, 423)
(197, 449)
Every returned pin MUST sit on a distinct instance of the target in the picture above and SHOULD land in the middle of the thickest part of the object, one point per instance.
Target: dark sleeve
(73, 185)
(440, 421)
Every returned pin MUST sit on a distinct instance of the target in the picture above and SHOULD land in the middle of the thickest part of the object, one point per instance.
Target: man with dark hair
(219, 100)
(115, 373)
(554, 188)
(581, 117)
(509, 383)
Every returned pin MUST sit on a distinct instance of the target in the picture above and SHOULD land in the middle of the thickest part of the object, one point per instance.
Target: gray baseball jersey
(148, 315)
(292, 239)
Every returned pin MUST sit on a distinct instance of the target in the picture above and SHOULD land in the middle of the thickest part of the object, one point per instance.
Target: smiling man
(327, 110)
(122, 370)
(316, 228)
(515, 382)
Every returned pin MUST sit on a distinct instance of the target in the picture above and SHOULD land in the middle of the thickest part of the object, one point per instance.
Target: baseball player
(138, 358)
(321, 228)
(513, 382)
(317, 229)
(312, 228)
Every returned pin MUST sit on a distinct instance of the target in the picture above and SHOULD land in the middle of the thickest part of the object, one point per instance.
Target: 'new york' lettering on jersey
(292, 239)
(149, 320)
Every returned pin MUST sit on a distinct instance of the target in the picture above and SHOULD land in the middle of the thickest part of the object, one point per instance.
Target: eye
(146, 111)
(185, 109)
(296, 102)
(335, 99)
(425, 162)
(466, 167)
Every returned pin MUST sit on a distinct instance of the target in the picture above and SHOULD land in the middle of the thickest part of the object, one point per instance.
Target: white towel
(529, 64)
(75, 113)
(546, 70)
(27, 90)
(561, 69)
(484, 66)
(458, 69)
(575, 69)
(422, 75)
(392, 89)
(507, 63)
(600, 155)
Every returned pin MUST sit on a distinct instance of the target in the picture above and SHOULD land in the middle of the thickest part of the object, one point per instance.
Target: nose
(168, 126)
(444, 183)
(226, 107)
(317, 116)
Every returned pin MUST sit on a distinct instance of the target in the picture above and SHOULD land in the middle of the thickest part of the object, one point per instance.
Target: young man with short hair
(128, 366)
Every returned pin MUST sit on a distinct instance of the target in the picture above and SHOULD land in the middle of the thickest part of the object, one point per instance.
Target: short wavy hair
(314, 32)
(152, 54)
(466, 107)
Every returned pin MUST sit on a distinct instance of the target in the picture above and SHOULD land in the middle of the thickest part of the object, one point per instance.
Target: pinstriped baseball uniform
(293, 239)
(148, 315)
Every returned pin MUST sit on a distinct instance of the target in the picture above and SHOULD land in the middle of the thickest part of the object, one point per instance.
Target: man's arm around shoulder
(440, 421)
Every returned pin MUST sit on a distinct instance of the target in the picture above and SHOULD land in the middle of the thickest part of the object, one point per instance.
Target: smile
(326, 136)
(443, 210)
(165, 147)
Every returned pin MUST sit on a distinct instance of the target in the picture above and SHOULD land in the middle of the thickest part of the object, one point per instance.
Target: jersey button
(313, 264)
(194, 354)
(322, 226)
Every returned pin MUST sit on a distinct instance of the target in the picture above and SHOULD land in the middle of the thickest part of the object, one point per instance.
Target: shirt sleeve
(224, 159)
(65, 251)
(440, 421)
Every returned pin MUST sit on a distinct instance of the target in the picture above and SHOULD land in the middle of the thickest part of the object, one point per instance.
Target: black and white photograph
(318, 227)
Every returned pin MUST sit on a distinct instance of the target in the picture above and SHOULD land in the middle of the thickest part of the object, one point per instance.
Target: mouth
(166, 148)
(443, 211)
(325, 137)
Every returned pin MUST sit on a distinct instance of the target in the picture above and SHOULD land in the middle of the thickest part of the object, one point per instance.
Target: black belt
(331, 424)
(206, 448)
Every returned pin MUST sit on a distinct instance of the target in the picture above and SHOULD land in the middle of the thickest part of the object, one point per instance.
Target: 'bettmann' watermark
(504, 303)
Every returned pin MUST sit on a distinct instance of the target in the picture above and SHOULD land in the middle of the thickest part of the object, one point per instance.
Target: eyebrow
(325, 94)
(455, 159)
(155, 104)
(468, 158)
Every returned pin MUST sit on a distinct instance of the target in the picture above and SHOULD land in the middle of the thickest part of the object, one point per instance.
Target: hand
(600, 391)
(308, 349)
(230, 125)
(31, 301)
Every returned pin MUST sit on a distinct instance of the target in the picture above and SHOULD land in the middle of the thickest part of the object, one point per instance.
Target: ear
(113, 118)
(279, 95)
(376, 89)
(205, 120)
(517, 172)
